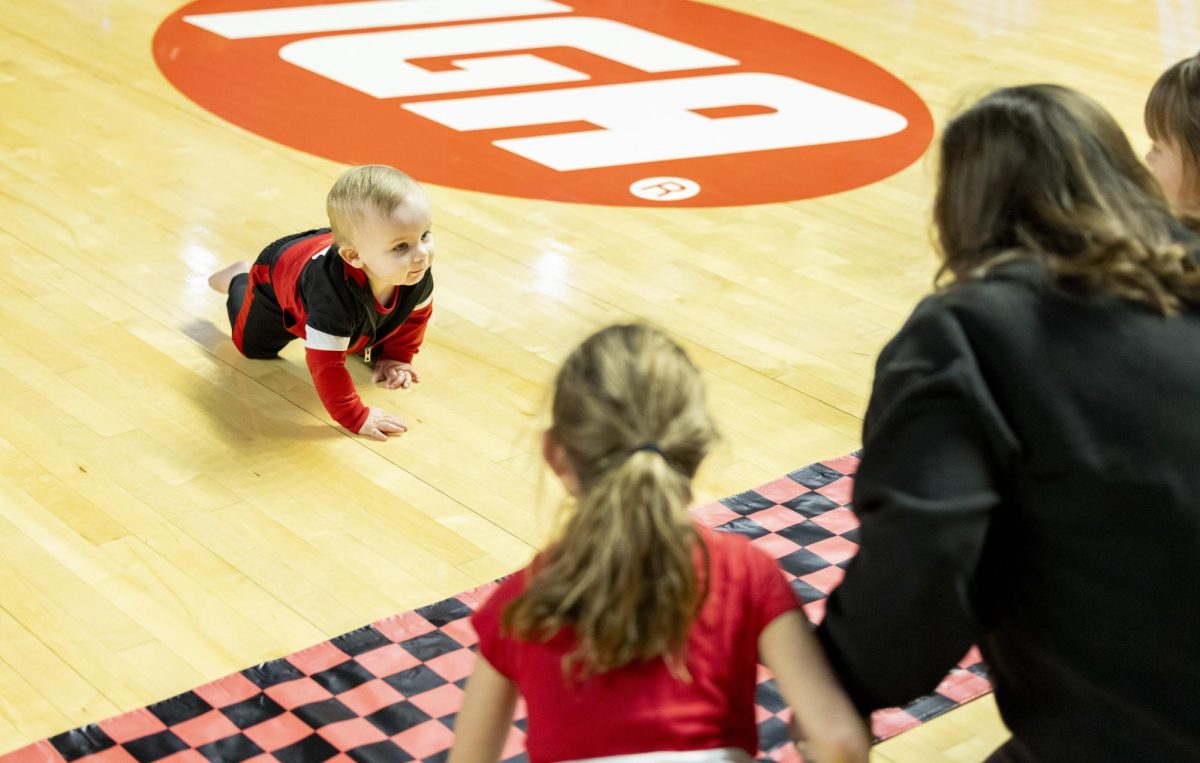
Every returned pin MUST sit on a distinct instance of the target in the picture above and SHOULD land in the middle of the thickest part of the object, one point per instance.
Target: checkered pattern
(389, 691)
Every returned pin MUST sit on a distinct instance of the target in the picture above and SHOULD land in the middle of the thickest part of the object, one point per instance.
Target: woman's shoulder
(1007, 300)
(1015, 281)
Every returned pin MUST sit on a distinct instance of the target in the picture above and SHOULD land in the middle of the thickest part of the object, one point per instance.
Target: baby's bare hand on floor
(380, 424)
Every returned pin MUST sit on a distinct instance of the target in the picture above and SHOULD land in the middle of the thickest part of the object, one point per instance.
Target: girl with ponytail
(635, 636)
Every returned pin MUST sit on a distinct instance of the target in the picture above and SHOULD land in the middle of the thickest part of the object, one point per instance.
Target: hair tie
(649, 445)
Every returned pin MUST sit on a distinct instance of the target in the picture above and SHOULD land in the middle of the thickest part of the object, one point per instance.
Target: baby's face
(396, 249)
(1166, 163)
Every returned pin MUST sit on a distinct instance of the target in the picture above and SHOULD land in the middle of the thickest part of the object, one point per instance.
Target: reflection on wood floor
(171, 512)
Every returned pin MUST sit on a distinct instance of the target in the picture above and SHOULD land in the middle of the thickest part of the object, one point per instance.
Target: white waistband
(722, 755)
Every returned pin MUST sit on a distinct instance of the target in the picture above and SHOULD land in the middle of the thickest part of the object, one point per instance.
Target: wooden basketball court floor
(171, 512)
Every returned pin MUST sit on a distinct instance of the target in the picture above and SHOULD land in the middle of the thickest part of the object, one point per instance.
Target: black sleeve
(331, 307)
(934, 450)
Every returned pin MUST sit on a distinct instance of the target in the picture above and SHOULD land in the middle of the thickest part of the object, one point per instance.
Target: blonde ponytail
(629, 411)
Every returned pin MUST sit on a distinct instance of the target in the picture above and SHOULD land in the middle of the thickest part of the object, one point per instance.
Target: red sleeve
(499, 650)
(336, 388)
(403, 343)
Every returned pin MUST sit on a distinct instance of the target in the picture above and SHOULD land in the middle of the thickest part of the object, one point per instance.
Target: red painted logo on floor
(623, 102)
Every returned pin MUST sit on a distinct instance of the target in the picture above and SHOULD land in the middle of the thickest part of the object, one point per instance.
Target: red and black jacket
(330, 305)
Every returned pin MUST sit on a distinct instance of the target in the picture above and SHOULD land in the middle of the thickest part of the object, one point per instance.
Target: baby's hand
(394, 374)
(380, 424)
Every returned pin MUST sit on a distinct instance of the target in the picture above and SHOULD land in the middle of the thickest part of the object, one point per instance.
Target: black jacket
(1030, 482)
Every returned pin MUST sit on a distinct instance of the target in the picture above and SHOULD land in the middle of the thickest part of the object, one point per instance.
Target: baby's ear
(350, 255)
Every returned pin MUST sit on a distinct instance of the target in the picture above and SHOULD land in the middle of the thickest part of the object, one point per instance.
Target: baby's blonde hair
(369, 188)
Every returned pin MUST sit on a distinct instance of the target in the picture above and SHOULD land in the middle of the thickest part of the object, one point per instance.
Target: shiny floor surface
(171, 512)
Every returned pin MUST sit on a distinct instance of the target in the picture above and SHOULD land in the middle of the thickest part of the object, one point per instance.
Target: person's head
(629, 429)
(1173, 122)
(1045, 171)
(381, 222)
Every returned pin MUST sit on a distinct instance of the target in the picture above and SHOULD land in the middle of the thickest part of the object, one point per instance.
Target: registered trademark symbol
(737, 122)
(664, 188)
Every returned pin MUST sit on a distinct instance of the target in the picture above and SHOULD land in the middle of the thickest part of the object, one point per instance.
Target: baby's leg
(219, 281)
(235, 298)
(256, 318)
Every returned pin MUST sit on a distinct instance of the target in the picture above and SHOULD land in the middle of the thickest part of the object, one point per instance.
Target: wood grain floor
(171, 512)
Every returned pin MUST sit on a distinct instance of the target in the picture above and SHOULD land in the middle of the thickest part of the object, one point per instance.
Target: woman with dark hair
(1030, 478)
(1172, 117)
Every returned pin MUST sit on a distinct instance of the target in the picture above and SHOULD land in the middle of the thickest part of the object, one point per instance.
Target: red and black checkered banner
(390, 691)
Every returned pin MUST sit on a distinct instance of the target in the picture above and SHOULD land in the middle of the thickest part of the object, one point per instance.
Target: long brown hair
(629, 410)
(1044, 171)
(1172, 116)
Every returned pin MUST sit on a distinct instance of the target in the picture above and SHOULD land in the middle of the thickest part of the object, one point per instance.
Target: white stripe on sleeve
(315, 339)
